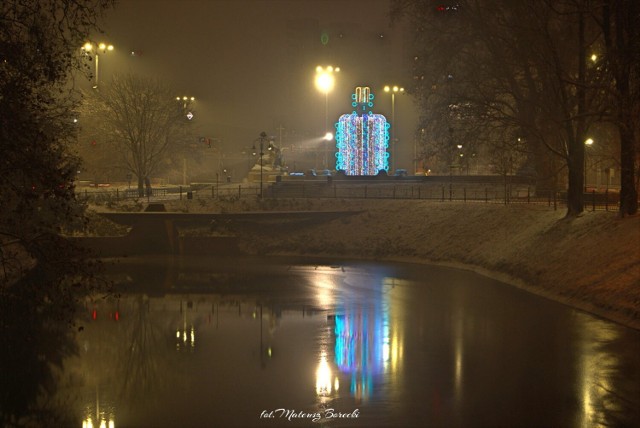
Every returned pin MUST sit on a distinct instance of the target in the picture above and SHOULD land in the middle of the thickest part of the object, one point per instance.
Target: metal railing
(460, 192)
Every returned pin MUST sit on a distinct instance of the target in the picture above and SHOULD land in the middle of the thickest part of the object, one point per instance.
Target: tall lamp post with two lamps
(325, 81)
(393, 90)
(262, 140)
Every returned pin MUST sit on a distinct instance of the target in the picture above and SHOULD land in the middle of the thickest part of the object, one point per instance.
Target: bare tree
(522, 66)
(620, 22)
(140, 120)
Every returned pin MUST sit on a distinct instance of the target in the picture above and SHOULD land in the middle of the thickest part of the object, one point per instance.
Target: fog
(250, 64)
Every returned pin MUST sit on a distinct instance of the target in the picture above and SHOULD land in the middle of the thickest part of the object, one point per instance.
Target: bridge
(157, 232)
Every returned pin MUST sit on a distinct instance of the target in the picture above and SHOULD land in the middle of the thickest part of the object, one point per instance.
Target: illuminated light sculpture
(362, 138)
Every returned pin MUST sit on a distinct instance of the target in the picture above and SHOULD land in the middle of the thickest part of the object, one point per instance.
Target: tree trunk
(140, 186)
(575, 161)
(628, 191)
(575, 191)
(627, 40)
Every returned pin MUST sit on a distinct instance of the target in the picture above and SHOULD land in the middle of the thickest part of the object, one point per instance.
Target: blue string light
(362, 141)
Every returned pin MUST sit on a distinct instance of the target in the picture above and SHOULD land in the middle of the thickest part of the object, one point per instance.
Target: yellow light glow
(594, 57)
(325, 82)
(102, 46)
(394, 88)
(588, 141)
(323, 376)
(87, 47)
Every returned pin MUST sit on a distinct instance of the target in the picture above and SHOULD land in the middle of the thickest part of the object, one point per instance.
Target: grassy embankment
(591, 262)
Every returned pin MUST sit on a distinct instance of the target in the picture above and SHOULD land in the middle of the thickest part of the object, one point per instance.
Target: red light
(117, 316)
(94, 314)
(440, 8)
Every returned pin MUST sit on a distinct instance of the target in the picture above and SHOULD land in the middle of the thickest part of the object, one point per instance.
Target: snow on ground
(591, 262)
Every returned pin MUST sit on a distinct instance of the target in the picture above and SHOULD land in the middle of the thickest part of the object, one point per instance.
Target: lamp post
(325, 82)
(393, 90)
(186, 101)
(101, 47)
(262, 140)
(587, 143)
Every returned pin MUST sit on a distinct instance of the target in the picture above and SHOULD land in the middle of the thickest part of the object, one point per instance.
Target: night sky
(251, 63)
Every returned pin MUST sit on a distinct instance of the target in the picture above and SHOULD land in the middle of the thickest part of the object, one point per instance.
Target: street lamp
(262, 140)
(101, 47)
(587, 143)
(393, 89)
(186, 101)
(325, 81)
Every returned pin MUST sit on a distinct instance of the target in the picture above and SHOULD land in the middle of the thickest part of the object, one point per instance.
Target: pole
(326, 125)
(393, 132)
(584, 170)
(184, 171)
(415, 156)
(96, 84)
(262, 136)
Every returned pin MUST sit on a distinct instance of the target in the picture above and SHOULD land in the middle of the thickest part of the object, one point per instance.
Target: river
(200, 342)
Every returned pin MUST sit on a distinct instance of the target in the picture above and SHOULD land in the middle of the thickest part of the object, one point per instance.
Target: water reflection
(604, 402)
(351, 345)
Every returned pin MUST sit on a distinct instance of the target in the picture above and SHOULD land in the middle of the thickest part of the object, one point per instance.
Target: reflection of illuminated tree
(360, 348)
(147, 354)
(125, 356)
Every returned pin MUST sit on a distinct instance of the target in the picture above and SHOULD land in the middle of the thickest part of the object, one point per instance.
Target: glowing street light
(587, 143)
(185, 100)
(393, 90)
(325, 81)
(101, 47)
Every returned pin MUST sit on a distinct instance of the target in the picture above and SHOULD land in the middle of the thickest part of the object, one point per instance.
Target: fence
(459, 192)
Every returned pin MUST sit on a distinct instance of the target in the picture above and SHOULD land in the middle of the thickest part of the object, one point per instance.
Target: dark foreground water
(238, 342)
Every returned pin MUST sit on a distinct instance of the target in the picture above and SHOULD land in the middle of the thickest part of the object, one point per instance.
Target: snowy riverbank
(591, 262)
